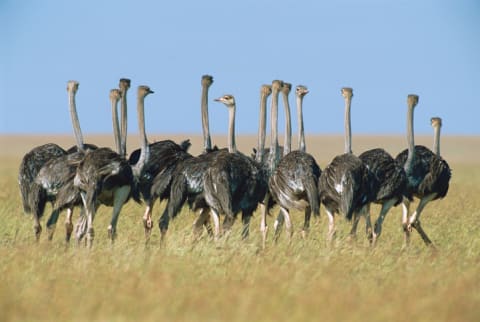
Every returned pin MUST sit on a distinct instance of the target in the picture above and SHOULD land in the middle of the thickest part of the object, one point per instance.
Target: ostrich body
(106, 177)
(233, 182)
(345, 183)
(294, 183)
(428, 175)
(31, 192)
(388, 187)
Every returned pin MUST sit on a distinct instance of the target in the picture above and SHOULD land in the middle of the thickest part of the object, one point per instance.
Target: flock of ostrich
(225, 181)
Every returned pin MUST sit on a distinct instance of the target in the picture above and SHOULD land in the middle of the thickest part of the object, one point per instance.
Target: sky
(384, 50)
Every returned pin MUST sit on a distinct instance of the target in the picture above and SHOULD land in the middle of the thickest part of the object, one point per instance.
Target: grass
(235, 280)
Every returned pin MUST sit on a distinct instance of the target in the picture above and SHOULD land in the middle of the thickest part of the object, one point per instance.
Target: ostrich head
(301, 91)
(144, 91)
(72, 86)
(277, 85)
(412, 100)
(347, 92)
(266, 90)
(227, 99)
(436, 121)
(124, 84)
(115, 94)
(207, 80)
(286, 88)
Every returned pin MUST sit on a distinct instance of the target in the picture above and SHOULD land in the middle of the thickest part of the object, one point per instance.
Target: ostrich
(106, 177)
(36, 189)
(344, 183)
(151, 160)
(428, 175)
(294, 183)
(233, 182)
(58, 176)
(186, 181)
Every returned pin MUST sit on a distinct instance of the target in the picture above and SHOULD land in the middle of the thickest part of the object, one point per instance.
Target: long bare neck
(262, 126)
(436, 139)
(301, 134)
(75, 122)
(287, 145)
(124, 122)
(274, 157)
(348, 128)
(116, 128)
(144, 150)
(232, 147)
(410, 135)
(207, 142)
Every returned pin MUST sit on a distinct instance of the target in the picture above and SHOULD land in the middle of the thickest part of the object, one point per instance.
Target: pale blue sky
(383, 49)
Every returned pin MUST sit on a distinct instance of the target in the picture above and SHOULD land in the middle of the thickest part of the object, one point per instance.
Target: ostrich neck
(232, 147)
(75, 122)
(301, 135)
(273, 157)
(207, 143)
(348, 129)
(287, 145)
(410, 141)
(123, 120)
(262, 125)
(116, 128)
(436, 140)
(143, 136)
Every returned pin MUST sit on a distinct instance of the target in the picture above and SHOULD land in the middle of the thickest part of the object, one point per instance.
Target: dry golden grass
(236, 281)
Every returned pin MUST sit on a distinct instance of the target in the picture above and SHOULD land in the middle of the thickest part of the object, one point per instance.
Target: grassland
(236, 281)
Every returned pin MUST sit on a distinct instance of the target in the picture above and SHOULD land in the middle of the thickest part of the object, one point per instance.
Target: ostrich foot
(112, 233)
(51, 231)
(69, 230)
(406, 241)
(373, 240)
(264, 236)
(371, 236)
(80, 229)
(352, 238)
(163, 234)
(304, 233)
(90, 237)
(148, 224)
(38, 231)
(410, 227)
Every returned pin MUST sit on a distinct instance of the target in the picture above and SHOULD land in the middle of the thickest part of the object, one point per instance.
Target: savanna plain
(235, 280)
